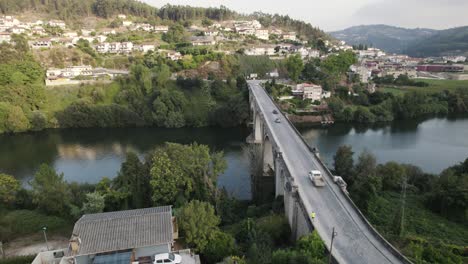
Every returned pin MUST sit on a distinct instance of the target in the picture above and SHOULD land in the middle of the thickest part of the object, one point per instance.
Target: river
(87, 155)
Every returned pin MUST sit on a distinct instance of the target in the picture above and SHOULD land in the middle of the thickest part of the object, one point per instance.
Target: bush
(17, 260)
(23, 222)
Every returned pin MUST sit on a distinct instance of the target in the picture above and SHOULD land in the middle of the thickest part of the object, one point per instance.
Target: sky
(332, 15)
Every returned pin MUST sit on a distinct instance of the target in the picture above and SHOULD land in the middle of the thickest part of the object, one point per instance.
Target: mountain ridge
(418, 42)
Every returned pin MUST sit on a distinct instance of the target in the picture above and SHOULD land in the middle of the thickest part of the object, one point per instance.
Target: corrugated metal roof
(105, 232)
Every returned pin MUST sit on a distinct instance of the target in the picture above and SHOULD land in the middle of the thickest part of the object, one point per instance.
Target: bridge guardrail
(376, 234)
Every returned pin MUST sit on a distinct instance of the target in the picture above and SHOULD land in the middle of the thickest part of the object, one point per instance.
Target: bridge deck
(356, 242)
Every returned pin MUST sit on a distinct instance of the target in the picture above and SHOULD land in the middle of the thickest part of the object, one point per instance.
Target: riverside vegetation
(424, 215)
(212, 223)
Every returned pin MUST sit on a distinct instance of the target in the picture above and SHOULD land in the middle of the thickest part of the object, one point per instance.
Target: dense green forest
(424, 215)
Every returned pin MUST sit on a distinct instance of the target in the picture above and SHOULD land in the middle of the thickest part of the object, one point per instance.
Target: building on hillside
(38, 30)
(308, 91)
(131, 236)
(202, 41)
(121, 16)
(145, 47)
(174, 55)
(9, 21)
(273, 74)
(262, 34)
(440, 68)
(127, 23)
(268, 50)
(161, 29)
(211, 32)
(290, 36)
(17, 30)
(70, 34)
(5, 37)
(57, 23)
(44, 43)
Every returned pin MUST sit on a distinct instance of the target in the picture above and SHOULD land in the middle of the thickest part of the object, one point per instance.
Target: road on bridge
(355, 242)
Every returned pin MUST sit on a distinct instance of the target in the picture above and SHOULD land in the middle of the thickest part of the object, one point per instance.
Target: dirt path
(31, 245)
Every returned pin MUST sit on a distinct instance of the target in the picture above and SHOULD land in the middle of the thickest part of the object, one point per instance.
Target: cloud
(437, 14)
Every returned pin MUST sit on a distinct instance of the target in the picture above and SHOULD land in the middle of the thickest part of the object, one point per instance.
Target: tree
(50, 191)
(94, 203)
(198, 223)
(185, 172)
(295, 66)
(222, 246)
(366, 185)
(9, 186)
(392, 175)
(167, 179)
(175, 34)
(313, 245)
(133, 179)
(344, 162)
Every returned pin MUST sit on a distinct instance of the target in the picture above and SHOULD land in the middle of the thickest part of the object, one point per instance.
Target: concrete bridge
(285, 151)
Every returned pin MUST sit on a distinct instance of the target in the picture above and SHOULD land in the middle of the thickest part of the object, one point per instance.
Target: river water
(87, 155)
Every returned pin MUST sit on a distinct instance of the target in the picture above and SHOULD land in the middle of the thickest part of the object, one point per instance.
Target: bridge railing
(376, 234)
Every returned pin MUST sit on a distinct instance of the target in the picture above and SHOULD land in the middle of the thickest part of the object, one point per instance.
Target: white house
(17, 30)
(268, 50)
(308, 91)
(262, 34)
(121, 16)
(38, 30)
(5, 37)
(127, 23)
(173, 55)
(161, 29)
(57, 23)
(70, 34)
(102, 47)
(145, 47)
(41, 43)
(290, 36)
(211, 33)
(203, 41)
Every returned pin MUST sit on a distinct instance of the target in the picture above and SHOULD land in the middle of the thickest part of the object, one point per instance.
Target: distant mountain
(452, 41)
(388, 38)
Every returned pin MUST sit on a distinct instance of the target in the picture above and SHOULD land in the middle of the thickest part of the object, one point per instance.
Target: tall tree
(198, 223)
(295, 66)
(94, 203)
(133, 179)
(344, 163)
(8, 188)
(50, 191)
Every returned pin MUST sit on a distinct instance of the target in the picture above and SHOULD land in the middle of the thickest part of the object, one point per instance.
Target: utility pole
(403, 205)
(44, 229)
(334, 234)
(1, 250)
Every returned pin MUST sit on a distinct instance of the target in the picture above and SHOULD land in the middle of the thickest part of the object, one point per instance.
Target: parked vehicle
(277, 120)
(316, 177)
(275, 112)
(170, 258)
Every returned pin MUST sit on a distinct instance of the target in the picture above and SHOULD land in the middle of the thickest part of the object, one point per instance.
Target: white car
(170, 258)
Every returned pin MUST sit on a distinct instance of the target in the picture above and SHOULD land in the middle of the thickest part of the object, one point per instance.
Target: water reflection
(87, 155)
(430, 144)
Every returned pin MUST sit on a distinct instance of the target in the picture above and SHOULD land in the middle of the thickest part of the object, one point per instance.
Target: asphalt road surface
(355, 242)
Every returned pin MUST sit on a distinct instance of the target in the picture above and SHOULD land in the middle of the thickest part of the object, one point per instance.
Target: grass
(61, 97)
(18, 223)
(17, 260)
(421, 225)
(434, 87)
